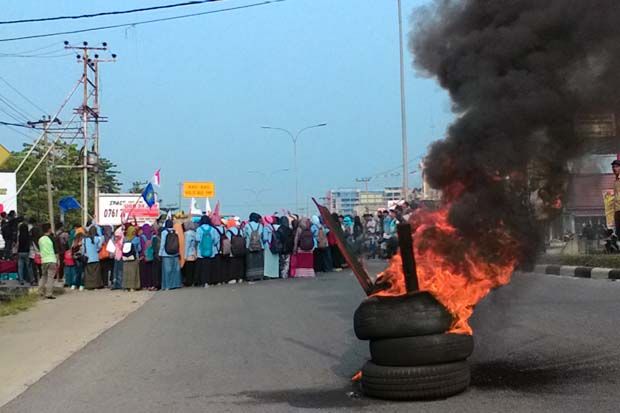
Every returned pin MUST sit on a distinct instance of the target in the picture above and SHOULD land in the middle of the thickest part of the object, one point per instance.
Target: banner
(608, 201)
(113, 208)
(198, 189)
(8, 192)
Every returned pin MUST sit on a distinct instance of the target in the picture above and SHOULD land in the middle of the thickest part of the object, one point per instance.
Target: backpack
(129, 251)
(206, 243)
(172, 243)
(225, 246)
(285, 234)
(323, 243)
(306, 240)
(275, 245)
(149, 252)
(237, 245)
(255, 239)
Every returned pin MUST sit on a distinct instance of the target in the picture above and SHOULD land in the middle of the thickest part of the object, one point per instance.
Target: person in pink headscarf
(272, 248)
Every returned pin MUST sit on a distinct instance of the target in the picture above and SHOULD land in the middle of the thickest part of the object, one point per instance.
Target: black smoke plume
(518, 73)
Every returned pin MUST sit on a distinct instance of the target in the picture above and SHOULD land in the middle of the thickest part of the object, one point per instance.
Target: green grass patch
(583, 260)
(18, 304)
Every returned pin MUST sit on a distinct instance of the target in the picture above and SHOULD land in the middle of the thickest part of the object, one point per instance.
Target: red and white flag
(156, 178)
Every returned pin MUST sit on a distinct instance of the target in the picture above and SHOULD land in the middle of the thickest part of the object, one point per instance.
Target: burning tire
(402, 316)
(422, 350)
(415, 383)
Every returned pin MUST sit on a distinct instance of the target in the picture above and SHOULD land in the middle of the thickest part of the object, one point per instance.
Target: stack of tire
(413, 358)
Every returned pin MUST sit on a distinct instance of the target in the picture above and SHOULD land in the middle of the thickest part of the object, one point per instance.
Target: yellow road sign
(5, 154)
(198, 189)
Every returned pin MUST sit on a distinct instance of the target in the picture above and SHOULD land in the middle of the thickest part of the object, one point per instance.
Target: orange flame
(357, 377)
(459, 284)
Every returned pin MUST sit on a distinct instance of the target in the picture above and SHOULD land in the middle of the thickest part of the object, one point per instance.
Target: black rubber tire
(415, 383)
(416, 314)
(421, 350)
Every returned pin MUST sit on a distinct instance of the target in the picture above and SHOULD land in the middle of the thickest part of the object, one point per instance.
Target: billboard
(114, 208)
(8, 192)
(198, 189)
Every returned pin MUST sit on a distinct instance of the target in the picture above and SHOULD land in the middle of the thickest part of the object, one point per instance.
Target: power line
(22, 95)
(115, 26)
(108, 13)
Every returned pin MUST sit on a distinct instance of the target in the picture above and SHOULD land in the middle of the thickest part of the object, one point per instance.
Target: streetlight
(257, 192)
(294, 138)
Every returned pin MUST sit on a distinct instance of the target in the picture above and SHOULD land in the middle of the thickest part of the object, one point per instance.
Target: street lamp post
(403, 108)
(294, 138)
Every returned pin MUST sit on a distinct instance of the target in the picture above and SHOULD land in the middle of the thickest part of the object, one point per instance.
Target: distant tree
(32, 201)
(137, 187)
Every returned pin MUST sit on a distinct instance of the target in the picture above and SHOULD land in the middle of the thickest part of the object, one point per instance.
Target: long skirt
(272, 264)
(337, 258)
(170, 273)
(254, 266)
(208, 271)
(107, 268)
(157, 273)
(236, 268)
(190, 273)
(285, 263)
(92, 276)
(305, 264)
(118, 275)
(224, 269)
(147, 274)
(131, 275)
(318, 260)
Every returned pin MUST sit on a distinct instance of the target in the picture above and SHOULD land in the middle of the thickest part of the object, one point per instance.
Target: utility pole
(403, 107)
(90, 109)
(365, 181)
(48, 178)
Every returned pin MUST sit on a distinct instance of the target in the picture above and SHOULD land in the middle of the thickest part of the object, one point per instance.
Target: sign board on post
(609, 200)
(8, 192)
(198, 189)
(4, 155)
(113, 208)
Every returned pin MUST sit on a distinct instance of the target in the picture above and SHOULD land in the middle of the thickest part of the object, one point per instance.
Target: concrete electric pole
(90, 109)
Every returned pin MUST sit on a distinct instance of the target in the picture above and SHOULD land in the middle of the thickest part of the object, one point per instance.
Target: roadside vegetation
(583, 260)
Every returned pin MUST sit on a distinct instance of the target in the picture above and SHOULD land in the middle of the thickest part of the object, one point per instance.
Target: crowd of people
(205, 251)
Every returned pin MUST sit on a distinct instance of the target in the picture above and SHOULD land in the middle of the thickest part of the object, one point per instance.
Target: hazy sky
(189, 96)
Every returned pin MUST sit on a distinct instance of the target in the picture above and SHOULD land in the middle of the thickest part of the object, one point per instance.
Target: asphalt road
(543, 343)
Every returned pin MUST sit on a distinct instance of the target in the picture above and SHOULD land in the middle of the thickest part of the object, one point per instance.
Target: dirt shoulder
(32, 343)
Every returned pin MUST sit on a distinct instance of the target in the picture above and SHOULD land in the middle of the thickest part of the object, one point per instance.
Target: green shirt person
(49, 262)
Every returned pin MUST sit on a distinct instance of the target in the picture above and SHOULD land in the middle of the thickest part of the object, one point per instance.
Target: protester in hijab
(336, 255)
(131, 263)
(147, 259)
(156, 258)
(319, 235)
(253, 233)
(119, 236)
(170, 268)
(271, 248)
(189, 270)
(90, 249)
(294, 220)
(236, 261)
(106, 260)
(24, 271)
(77, 252)
(207, 248)
(285, 234)
(304, 246)
(35, 255)
(221, 258)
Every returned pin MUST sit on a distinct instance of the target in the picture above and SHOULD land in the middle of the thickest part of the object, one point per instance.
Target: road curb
(578, 272)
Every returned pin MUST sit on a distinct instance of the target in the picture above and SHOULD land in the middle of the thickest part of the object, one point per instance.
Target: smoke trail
(518, 72)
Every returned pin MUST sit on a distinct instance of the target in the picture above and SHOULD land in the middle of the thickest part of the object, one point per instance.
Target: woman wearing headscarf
(294, 220)
(319, 252)
(23, 251)
(221, 258)
(131, 263)
(170, 270)
(236, 264)
(285, 234)
(337, 259)
(119, 235)
(272, 255)
(253, 233)
(207, 247)
(90, 248)
(156, 258)
(106, 260)
(77, 252)
(189, 268)
(147, 258)
(304, 245)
